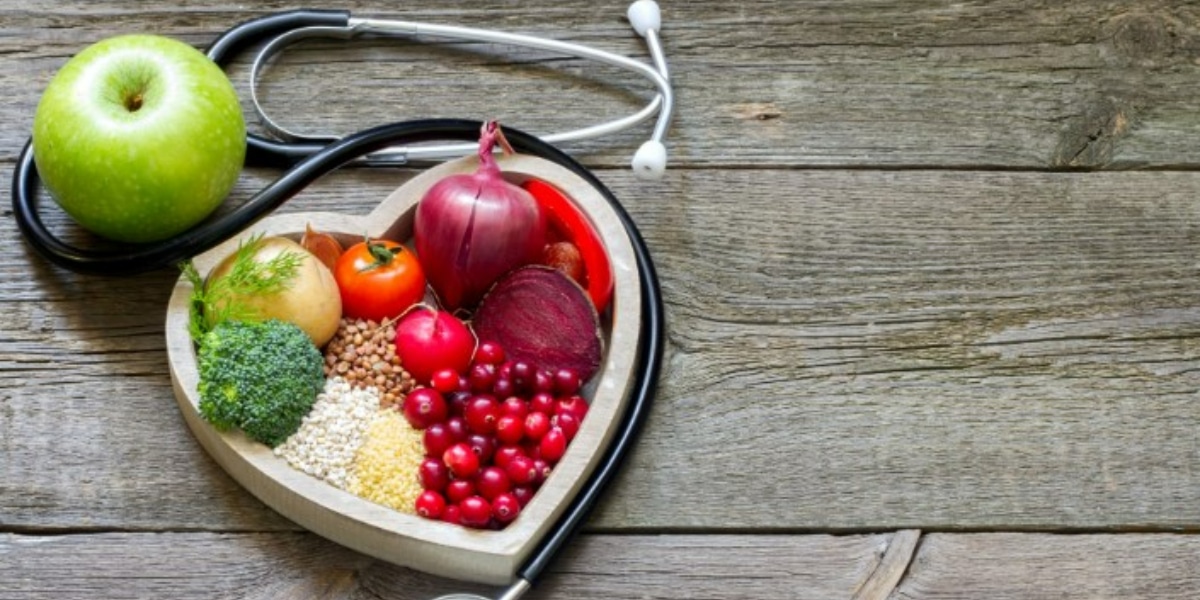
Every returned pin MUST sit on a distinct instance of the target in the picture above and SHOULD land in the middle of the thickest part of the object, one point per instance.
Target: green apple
(139, 137)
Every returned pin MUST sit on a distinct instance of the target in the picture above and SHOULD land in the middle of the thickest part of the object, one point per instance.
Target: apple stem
(133, 103)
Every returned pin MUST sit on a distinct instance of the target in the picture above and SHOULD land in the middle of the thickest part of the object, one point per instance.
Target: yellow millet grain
(385, 466)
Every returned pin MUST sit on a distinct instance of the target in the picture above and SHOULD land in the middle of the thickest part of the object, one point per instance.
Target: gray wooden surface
(932, 289)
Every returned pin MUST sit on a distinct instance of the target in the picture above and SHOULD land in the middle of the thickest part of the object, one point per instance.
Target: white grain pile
(332, 433)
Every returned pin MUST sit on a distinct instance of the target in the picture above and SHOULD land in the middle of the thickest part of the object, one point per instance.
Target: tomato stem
(381, 253)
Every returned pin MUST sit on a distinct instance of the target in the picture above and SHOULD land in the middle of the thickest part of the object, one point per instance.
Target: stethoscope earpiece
(285, 29)
(644, 16)
(650, 160)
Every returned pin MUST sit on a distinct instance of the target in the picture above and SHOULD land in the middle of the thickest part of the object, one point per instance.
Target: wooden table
(931, 281)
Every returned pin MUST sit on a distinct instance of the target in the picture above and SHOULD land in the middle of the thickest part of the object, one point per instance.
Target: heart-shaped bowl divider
(435, 547)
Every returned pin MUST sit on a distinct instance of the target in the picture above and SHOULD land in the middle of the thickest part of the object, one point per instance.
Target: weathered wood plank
(992, 565)
(206, 565)
(1033, 567)
(917, 349)
(1089, 84)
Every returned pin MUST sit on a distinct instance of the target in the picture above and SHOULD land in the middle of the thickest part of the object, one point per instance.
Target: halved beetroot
(539, 315)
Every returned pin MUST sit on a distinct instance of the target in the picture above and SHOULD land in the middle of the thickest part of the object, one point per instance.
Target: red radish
(429, 340)
(471, 229)
(540, 316)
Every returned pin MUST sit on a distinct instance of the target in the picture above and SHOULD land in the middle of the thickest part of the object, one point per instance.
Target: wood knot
(1088, 140)
(1149, 38)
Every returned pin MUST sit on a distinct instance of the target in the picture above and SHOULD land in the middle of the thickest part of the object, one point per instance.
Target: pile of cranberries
(492, 436)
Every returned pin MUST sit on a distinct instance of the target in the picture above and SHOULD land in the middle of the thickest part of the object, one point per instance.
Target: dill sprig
(221, 298)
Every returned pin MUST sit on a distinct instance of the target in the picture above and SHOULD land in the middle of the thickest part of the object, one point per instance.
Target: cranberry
(424, 407)
(523, 375)
(510, 429)
(481, 377)
(574, 404)
(521, 470)
(503, 387)
(566, 382)
(553, 445)
(536, 425)
(505, 508)
(445, 381)
(543, 470)
(437, 438)
(505, 370)
(457, 401)
(505, 454)
(462, 460)
(476, 511)
(430, 504)
(568, 423)
(433, 474)
(452, 514)
(458, 489)
(514, 405)
(489, 353)
(480, 413)
(457, 428)
(484, 446)
(543, 403)
(543, 382)
(492, 482)
(522, 493)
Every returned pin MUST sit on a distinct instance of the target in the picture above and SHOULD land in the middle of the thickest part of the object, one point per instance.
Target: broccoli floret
(262, 378)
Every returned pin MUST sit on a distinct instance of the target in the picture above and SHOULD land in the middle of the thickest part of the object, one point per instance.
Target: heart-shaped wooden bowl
(401, 538)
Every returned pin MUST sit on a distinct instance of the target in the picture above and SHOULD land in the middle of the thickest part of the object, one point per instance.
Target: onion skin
(311, 301)
(471, 229)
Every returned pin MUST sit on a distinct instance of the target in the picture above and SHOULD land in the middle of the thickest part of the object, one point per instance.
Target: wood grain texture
(1090, 84)
(1043, 567)
(897, 349)
(205, 566)
(927, 265)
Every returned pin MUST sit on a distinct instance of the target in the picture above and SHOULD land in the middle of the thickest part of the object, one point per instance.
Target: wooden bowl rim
(435, 547)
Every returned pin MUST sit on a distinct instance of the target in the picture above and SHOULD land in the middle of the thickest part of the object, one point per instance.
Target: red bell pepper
(568, 221)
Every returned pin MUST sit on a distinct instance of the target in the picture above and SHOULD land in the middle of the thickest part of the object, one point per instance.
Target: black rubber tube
(244, 34)
(132, 259)
(650, 354)
(143, 258)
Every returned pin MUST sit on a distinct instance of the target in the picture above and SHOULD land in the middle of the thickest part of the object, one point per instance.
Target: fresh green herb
(218, 301)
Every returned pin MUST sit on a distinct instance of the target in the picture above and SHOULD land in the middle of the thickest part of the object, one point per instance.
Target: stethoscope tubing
(328, 158)
(286, 28)
(307, 161)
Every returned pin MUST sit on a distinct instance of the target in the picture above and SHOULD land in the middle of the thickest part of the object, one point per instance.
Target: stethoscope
(308, 157)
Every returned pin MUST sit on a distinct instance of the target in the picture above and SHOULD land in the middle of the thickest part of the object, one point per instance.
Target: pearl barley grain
(327, 440)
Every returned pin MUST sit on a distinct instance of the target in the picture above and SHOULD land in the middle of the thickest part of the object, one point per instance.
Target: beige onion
(311, 301)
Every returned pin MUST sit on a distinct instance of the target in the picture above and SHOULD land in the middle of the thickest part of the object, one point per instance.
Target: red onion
(471, 229)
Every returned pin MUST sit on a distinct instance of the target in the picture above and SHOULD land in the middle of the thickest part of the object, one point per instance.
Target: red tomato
(378, 279)
(570, 223)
